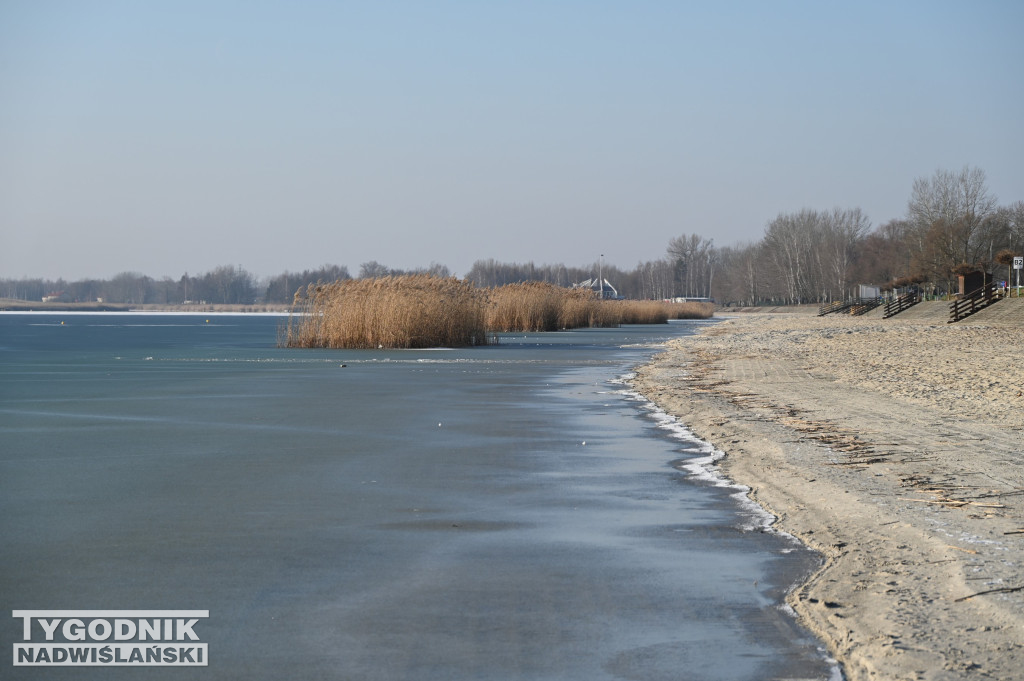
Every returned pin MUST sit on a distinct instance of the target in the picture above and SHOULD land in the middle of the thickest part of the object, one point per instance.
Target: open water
(507, 512)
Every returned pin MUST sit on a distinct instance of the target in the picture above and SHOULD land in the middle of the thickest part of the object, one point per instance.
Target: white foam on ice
(702, 464)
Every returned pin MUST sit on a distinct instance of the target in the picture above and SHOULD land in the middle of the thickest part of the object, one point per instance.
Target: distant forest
(953, 225)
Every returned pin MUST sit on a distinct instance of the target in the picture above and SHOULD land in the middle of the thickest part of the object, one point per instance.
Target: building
(607, 291)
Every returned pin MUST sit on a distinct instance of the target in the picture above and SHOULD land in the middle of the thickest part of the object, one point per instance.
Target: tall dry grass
(419, 311)
(656, 311)
(539, 306)
(641, 311)
(529, 306)
(691, 310)
(416, 311)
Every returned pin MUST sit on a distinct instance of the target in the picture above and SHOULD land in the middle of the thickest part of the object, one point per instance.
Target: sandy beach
(894, 448)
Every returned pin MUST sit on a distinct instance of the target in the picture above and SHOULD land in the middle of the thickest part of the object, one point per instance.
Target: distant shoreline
(13, 305)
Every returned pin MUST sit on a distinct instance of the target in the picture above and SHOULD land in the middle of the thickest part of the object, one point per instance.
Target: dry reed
(691, 310)
(528, 306)
(416, 311)
(419, 311)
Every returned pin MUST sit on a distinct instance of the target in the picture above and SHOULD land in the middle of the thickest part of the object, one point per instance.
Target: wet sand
(892, 447)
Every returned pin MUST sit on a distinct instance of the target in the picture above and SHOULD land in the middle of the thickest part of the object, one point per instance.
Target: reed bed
(539, 306)
(692, 310)
(641, 311)
(529, 306)
(581, 309)
(416, 311)
(419, 311)
(655, 311)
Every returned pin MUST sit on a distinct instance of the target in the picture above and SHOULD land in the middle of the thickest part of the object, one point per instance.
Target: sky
(175, 137)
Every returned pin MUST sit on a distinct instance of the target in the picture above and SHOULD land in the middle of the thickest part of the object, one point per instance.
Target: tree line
(653, 280)
(952, 225)
(222, 285)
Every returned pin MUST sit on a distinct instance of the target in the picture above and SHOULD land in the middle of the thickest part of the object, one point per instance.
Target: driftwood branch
(1004, 590)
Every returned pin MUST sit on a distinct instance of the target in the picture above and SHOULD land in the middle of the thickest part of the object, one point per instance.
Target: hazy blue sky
(165, 137)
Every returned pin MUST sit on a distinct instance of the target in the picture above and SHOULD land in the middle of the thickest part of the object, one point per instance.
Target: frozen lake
(505, 512)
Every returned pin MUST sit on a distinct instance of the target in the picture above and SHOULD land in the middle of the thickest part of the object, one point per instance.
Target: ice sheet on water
(701, 464)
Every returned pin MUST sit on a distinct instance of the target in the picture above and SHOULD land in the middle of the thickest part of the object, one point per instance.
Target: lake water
(506, 512)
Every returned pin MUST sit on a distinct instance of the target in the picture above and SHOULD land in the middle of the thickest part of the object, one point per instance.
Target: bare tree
(436, 269)
(843, 231)
(1015, 220)
(694, 260)
(282, 288)
(656, 280)
(787, 242)
(373, 270)
(128, 287)
(1008, 227)
(948, 212)
(883, 256)
(741, 275)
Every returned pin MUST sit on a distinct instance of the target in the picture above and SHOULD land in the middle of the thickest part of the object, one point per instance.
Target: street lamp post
(600, 274)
